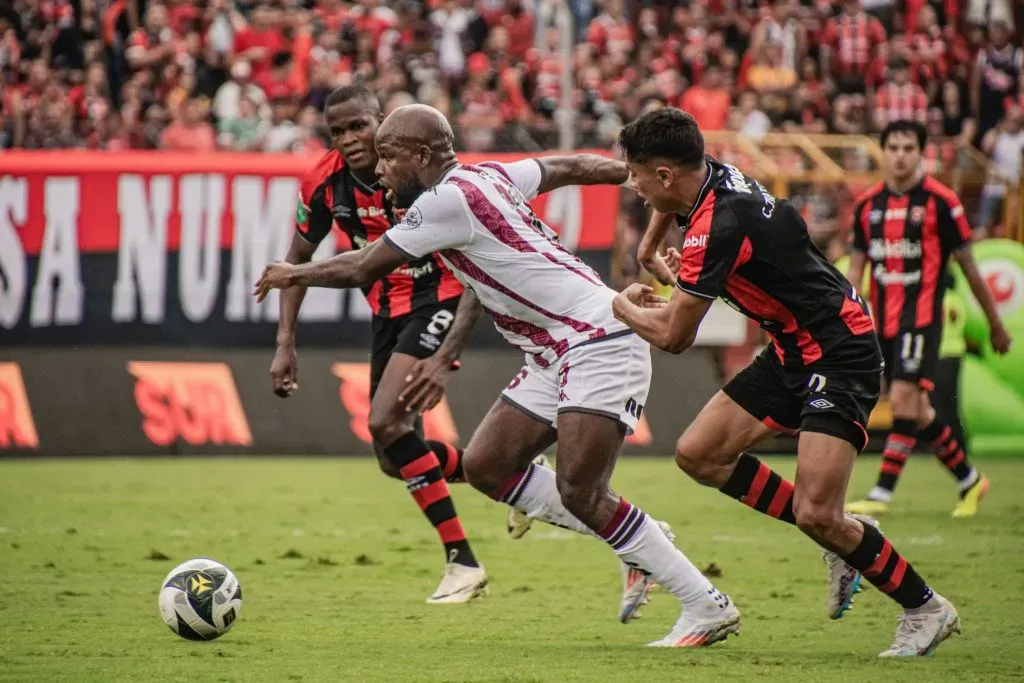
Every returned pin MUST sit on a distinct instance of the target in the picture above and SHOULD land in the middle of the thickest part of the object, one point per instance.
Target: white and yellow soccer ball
(200, 599)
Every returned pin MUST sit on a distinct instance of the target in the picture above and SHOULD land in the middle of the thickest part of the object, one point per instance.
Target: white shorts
(609, 376)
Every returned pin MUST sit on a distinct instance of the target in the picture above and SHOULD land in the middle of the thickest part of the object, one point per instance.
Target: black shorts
(830, 396)
(912, 355)
(418, 334)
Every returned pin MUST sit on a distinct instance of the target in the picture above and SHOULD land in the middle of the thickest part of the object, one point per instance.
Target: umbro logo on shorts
(821, 404)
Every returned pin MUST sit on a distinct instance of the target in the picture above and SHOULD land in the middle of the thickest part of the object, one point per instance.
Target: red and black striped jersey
(742, 244)
(332, 196)
(908, 238)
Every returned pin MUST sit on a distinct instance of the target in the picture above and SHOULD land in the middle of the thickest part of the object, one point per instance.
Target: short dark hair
(668, 133)
(905, 126)
(352, 92)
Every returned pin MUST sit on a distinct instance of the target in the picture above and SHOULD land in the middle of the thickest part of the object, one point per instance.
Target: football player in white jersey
(586, 375)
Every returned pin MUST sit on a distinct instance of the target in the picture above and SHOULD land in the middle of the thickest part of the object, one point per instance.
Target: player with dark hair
(907, 227)
(421, 322)
(586, 375)
(820, 375)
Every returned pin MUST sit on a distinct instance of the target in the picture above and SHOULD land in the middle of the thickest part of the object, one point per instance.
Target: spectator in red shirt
(611, 32)
(189, 132)
(155, 45)
(900, 99)
(708, 102)
(278, 83)
(259, 41)
(849, 43)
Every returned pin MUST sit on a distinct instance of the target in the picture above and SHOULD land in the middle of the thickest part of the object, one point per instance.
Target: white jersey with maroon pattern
(543, 299)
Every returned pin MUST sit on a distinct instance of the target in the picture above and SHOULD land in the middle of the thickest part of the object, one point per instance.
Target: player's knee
(820, 522)
(693, 458)
(481, 477)
(905, 399)
(386, 426)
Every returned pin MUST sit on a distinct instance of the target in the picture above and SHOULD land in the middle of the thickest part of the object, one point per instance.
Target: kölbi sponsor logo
(696, 241)
(904, 248)
(17, 429)
(194, 402)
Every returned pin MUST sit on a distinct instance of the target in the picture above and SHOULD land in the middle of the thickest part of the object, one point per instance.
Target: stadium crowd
(252, 74)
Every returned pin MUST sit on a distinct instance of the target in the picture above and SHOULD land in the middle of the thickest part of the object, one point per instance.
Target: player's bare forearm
(466, 315)
(647, 252)
(965, 257)
(671, 327)
(581, 169)
(299, 252)
(351, 269)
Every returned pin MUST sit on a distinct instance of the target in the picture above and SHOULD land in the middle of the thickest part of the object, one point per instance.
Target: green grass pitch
(336, 561)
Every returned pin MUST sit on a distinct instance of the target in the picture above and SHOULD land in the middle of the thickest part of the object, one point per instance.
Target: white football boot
(459, 584)
(921, 630)
(704, 625)
(637, 585)
(843, 580)
(518, 523)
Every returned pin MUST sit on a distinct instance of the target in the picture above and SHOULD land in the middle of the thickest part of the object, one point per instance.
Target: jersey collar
(702, 195)
(369, 189)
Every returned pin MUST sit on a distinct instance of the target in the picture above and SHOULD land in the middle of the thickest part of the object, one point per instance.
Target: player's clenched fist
(1001, 340)
(638, 295)
(278, 275)
(284, 370)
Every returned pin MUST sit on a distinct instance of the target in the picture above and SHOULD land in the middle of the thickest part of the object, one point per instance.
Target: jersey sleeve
(954, 230)
(313, 219)
(714, 246)
(438, 220)
(527, 175)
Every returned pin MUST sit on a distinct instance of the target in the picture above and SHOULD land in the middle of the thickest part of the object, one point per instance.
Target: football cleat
(518, 522)
(968, 505)
(843, 580)
(703, 626)
(920, 631)
(637, 585)
(459, 584)
(868, 507)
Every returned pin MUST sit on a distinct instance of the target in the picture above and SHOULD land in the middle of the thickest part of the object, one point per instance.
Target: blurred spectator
(1005, 144)
(849, 44)
(189, 132)
(900, 99)
(753, 122)
(227, 101)
(997, 76)
(709, 102)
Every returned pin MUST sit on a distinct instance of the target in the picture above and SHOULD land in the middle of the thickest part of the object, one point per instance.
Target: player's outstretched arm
(647, 253)
(427, 379)
(1001, 340)
(284, 369)
(671, 326)
(580, 169)
(351, 269)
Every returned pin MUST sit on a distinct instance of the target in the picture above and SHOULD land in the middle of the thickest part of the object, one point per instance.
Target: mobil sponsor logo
(882, 248)
(695, 241)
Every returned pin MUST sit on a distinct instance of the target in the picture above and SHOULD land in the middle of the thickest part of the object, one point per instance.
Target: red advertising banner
(163, 248)
(98, 192)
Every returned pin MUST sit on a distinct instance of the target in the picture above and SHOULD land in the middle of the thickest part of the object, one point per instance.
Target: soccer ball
(200, 599)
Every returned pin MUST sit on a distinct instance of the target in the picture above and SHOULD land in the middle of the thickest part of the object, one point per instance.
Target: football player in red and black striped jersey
(421, 322)
(821, 373)
(907, 227)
